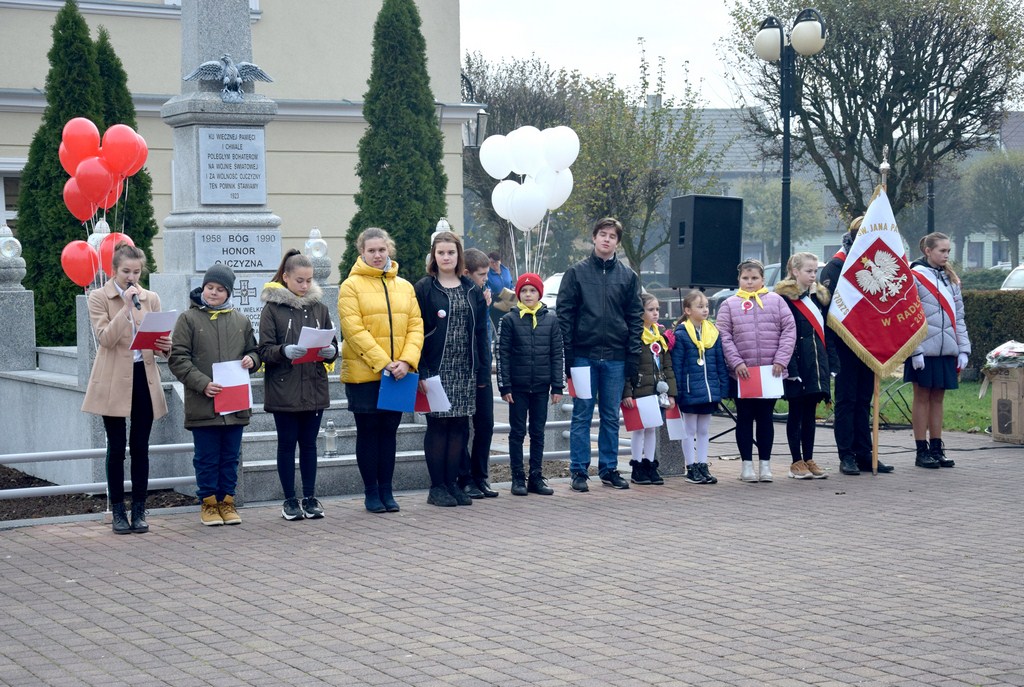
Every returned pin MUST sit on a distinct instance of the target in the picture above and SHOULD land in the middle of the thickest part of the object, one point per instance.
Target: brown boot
(209, 512)
(228, 512)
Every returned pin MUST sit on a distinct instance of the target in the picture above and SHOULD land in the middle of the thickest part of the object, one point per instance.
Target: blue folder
(398, 394)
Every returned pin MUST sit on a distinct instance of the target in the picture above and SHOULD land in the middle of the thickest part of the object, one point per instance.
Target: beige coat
(110, 384)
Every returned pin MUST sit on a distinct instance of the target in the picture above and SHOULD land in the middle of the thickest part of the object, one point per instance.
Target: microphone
(135, 298)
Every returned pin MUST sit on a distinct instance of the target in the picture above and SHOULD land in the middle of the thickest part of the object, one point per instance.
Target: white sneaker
(747, 471)
(765, 471)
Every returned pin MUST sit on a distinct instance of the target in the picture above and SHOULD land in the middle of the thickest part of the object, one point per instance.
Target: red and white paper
(313, 340)
(674, 424)
(435, 400)
(761, 383)
(645, 414)
(579, 382)
(154, 325)
(236, 391)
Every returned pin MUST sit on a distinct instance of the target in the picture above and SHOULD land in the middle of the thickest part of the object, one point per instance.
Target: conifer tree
(45, 225)
(402, 180)
(133, 214)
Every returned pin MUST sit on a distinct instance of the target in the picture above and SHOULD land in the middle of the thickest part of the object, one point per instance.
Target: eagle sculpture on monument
(231, 74)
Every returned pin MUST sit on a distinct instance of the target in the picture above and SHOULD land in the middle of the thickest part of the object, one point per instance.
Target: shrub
(993, 317)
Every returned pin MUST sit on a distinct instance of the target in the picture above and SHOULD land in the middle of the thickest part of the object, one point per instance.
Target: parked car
(551, 285)
(1014, 280)
(772, 276)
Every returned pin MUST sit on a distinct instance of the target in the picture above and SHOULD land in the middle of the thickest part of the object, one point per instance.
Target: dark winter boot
(519, 484)
(387, 497)
(120, 524)
(652, 472)
(538, 485)
(694, 474)
(641, 472)
(925, 459)
(372, 500)
(939, 454)
(139, 524)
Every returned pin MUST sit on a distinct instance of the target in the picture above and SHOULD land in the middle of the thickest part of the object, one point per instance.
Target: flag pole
(884, 170)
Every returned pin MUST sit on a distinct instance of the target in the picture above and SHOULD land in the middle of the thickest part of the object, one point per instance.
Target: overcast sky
(599, 37)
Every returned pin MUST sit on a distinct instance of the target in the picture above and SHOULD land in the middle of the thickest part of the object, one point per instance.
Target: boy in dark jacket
(530, 364)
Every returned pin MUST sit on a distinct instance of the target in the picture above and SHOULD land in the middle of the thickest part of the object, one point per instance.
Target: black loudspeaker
(706, 241)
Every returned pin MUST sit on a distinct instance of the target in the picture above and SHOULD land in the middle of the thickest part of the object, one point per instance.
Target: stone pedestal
(18, 312)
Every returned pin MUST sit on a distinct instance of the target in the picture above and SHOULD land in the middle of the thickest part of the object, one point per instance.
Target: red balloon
(140, 160)
(112, 197)
(94, 179)
(120, 148)
(80, 262)
(66, 162)
(107, 246)
(82, 139)
(78, 205)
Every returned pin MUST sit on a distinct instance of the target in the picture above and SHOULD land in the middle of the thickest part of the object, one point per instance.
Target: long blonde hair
(689, 300)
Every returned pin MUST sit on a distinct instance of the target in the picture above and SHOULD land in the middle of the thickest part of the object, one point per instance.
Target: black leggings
(119, 438)
(800, 426)
(749, 411)
(299, 428)
(376, 445)
(443, 444)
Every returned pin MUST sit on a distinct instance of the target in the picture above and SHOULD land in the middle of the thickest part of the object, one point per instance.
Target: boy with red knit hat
(530, 366)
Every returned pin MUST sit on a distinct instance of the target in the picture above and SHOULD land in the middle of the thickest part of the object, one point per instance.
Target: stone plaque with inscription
(241, 250)
(232, 165)
(245, 298)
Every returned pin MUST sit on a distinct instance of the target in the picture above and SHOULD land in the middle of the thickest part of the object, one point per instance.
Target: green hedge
(993, 317)
(974, 280)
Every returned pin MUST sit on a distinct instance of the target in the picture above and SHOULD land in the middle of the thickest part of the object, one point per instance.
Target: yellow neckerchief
(524, 310)
(214, 314)
(708, 336)
(649, 336)
(756, 295)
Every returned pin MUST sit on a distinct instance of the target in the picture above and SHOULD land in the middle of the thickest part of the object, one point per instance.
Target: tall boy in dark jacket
(530, 364)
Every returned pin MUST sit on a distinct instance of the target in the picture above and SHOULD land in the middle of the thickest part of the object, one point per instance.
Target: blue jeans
(216, 460)
(606, 381)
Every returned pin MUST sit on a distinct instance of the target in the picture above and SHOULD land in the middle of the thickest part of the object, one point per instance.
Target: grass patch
(963, 410)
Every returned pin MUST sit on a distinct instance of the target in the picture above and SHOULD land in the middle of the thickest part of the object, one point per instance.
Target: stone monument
(19, 349)
(219, 208)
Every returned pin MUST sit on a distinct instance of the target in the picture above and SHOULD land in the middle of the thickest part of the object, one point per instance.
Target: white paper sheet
(159, 321)
(650, 411)
(436, 395)
(315, 339)
(581, 381)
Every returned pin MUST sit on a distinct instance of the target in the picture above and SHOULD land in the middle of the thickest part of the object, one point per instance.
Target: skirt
(362, 397)
(939, 373)
(699, 408)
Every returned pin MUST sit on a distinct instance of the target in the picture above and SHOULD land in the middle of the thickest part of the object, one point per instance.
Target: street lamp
(771, 44)
(474, 131)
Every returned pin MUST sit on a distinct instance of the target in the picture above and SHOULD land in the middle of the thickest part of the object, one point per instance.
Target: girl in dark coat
(654, 377)
(295, 394)
(702, 378)
(813, 364)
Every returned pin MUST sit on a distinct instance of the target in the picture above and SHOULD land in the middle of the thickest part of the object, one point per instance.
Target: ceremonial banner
(875, 308)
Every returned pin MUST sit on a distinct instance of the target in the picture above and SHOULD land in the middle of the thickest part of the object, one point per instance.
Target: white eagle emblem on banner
(881, 275)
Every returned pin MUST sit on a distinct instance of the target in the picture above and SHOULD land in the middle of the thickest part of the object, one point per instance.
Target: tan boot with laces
(228, 512)
(209, 512)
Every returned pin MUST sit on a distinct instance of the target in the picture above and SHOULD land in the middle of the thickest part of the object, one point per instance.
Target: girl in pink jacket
(757, 329)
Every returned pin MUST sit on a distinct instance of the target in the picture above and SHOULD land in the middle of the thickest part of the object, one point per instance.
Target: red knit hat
(529, 279)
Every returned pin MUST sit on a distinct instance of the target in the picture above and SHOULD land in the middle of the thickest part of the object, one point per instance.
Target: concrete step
(334, 387)
(59, 359)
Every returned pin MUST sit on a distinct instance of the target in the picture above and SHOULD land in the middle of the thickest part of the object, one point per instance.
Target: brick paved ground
(914, 578)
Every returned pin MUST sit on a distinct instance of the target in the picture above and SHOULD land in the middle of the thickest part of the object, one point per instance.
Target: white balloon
(502, 195)
(529, 205)
(496, 157)
(561, 147)
(527, 148)
(557, 186)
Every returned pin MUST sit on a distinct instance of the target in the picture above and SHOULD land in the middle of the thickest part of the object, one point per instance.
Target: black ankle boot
(641, 472)
(387, 497)
(939, 454)
(120, 524)
(652, 472)
(519, 485)
(925, 459)
(538, 485)
(139, 524)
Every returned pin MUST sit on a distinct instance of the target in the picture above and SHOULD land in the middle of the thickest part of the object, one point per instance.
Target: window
(9, 190)
(828, 251)
(1000, 252)
(975, 253)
